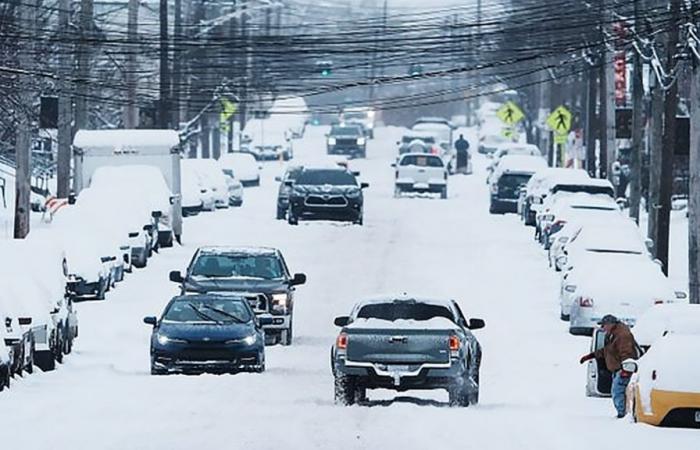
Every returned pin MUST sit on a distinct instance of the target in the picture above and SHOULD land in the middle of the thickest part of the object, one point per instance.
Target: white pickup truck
(422, 173)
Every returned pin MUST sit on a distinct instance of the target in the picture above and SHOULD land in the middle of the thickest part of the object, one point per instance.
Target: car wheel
(562, 316)
(474, 397)
(443, 193)
(345, 387)
(493, 209)
(45, 361)
(260, 367)
(292, 220)
(281, 213)
(458, 396)
(5, 380)
(286, 336)
(58, 350)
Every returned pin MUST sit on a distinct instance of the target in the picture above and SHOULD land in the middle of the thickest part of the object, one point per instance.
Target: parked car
(403, 343)
(666, 383)
(244, 166)
(539, 186)
(326, 194)
(488, 143)
(665, 318)
(512, 173)
(235, 188)
(286, 182)
(422, 173)
(211, 176)
(207, 333)
(347, 139)
(268, 139)
(196, 196)
(510, 148)
(259, 274)
(622, 284)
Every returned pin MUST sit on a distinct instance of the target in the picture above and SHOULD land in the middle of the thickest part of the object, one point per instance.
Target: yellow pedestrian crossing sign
(560, 120)
(228, 109)
(510, 113)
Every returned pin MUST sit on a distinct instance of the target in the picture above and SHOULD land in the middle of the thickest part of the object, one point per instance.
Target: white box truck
(159, 148)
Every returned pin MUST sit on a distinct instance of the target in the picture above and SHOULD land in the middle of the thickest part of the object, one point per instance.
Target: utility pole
(164, 102)
(669, 142)
(694, 189)
(243, 109)
(83, 70)
(637, 125)
(177, 65)
(130, 115)
(65, 102)
(655, 142)
(603, 117)
(591, 121)
(23, 152)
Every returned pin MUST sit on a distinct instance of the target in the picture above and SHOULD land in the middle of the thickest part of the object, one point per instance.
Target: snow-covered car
(539, 186)
(5, 367)
(347, 139)
(16, 341)
(196, 196)
(665, 318)
(403, 343)
(666, 382)
(490, 138)
(418, 142)
(622, 284)
(268, 139)
(362, 115)
(244, 166)
(211, 175)
(510, 148)
(422, 173)
(235, 188)
(512, 173)
(442, 130)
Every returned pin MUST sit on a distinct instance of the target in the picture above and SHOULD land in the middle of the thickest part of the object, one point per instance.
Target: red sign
(620, 63)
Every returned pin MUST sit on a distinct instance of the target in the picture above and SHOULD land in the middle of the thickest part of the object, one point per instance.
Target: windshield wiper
(203, 315)
(224, 313)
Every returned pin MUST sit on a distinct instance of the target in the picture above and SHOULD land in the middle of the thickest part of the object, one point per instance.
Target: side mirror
(278, 179)
(364, 185)
(630, 365)
(157, 214)
(176, 276)
(298, 279)
(393, 164)
(341, 321)
(476, 324)
(150, 320)
(265, 321)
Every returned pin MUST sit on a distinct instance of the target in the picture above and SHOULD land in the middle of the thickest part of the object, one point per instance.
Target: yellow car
(665, 389)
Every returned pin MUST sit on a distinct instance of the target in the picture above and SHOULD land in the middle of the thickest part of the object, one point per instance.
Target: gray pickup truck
(406, 343)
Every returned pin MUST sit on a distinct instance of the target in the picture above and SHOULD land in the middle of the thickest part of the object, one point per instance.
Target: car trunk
(398, 346)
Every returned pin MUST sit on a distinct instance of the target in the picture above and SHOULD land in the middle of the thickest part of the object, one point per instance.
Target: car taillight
(585, 302)
(454, 343)
(341, 342)
(435, 151)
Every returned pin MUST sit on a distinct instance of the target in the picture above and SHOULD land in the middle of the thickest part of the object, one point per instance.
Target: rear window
(513, 181)
(332, 177)
(421, 161)
(403, 311)
(238, 266)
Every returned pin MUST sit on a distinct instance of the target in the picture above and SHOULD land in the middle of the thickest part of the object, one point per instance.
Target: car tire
(493, 209)
(260, 367)
(345, 390)
(286, 336)
(443, 193)
(564, 317)
(458, 396)
(474, 397)
(292, 220)
(45, 361)
(102, 290)
(281, 213)
(58, 350)
(5, 379)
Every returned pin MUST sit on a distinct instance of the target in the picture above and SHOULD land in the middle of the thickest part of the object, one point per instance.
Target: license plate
(399, 368)
(697, 416)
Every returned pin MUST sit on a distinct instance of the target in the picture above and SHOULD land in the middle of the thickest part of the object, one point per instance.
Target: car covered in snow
(268, 139)
(210, 175)
(665, 318)
(235, 188)
(15, 340)
(511, 174)
(420, 173)
(244, 165)
(326, 194)
(539, 186)
(196, 196)
(207, 333)
(510, 148)
(259, 274)
(347, 139)
(403, 343)
(666, 382)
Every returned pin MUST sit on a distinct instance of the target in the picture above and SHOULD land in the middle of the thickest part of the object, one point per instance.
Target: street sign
(228, 109)
(560, 139)
(510, 113)
(560, 120)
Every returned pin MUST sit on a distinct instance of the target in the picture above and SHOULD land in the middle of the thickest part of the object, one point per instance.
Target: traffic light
(415, 70)
(324, 67)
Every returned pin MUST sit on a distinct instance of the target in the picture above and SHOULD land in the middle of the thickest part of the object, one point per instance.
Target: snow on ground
(532, 385)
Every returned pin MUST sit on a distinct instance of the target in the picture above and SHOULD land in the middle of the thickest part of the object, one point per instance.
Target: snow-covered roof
(126, 138)
(242, 250)
(674, 364)
(434, 323)
(521, 163)
(665, 318)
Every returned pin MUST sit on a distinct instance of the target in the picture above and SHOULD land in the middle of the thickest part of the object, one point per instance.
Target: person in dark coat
(462, 147)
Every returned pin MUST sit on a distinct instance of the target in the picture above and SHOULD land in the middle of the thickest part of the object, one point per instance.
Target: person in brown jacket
(619, 346)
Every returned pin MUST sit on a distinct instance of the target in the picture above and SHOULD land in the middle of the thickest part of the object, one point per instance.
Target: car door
(599, 378)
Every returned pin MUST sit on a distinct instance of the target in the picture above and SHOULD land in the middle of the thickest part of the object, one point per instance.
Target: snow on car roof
(434, 323)
(674, 359)
(622, 236)
(594, 182)
(521, 163)
(242, 250)
(404, 298)
(126, 138)
(681, 318)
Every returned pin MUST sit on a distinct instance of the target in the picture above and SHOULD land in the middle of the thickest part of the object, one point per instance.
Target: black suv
(348, 139)
(326, 194)
(259, 274)
(285, 189)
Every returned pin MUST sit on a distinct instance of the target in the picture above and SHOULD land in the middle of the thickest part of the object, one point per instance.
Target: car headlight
(280, 302)
(331, 141)
(360, 141)
(248, 340)
(353, 194)
(165, 340)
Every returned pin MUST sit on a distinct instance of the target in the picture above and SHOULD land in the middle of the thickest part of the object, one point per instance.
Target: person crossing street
(462, 147)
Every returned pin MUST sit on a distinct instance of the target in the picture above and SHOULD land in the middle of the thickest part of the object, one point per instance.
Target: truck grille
(258, 302)
(346, 142)
(326, 200)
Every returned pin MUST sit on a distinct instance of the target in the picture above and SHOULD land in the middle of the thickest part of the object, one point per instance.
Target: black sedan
(207, 333)
(326, 194)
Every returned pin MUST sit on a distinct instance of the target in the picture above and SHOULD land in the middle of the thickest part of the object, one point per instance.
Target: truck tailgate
(399, 346)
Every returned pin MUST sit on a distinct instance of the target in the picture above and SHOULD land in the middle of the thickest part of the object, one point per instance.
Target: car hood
(204, 331)
(197, 284)
(323, 189)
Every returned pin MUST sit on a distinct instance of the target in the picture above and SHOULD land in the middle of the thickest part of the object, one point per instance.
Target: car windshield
(403, 311)
(266, 267)
(208, 310)
(513, 181)
(292, 174)
(346, 130)
(332, 177)
(355, 115)
(421, 161)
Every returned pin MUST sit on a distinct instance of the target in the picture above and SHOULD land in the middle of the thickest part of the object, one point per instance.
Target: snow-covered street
(532, 384)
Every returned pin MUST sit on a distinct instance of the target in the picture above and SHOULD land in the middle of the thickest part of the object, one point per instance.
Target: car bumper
(348, 151)
(197, 360)
(398, 377)
(433, 187)
(504, 204)
(84, 288)
(669, 408)
(349, 212)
